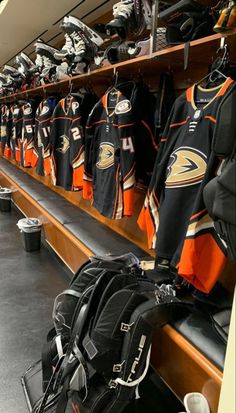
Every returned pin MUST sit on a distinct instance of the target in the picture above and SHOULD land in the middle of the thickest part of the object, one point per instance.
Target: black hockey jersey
(174, 214)
(119, 142)
(6, 130)
(67, 145)
(41, 152)
(27, 139)
(17, 118)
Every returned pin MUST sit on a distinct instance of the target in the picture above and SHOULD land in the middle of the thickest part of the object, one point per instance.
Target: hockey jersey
(41, 152)
(17, 118)
(174, 215)
(27, 138)
(116, 135)
(67, 145)
(6, 130)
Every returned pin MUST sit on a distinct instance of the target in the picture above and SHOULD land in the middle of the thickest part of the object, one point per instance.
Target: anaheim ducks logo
(27, 110)
(64, 144)
(187, 168)
(123, 107)
(106, 156)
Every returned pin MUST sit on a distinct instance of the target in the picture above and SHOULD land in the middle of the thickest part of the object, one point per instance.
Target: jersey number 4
(127, 144)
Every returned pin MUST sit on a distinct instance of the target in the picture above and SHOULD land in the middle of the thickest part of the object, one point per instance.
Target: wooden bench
(189, 355)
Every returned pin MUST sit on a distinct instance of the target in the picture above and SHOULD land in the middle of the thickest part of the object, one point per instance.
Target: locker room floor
(28, 284)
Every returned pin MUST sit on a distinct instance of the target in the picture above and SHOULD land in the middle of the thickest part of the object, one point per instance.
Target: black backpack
(78, 292)
(110, 342)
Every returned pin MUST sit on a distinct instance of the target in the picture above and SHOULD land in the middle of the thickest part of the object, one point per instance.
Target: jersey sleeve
(52, 141)
(88, 162)
(148, 220)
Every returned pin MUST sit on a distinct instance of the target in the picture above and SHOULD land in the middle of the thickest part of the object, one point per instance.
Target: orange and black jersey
(17, 119)
(27, 138)
(41, 152)
(116, 136)
(174, 214)
(6, 130)
(67, 145)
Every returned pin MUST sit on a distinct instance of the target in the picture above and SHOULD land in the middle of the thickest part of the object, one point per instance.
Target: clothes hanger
(217, 68)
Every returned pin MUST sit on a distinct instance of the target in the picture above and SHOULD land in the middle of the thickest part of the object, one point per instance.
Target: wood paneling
(184, 368)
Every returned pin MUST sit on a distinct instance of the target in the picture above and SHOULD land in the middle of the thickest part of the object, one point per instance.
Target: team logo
(44, 110)
(16, 111)
(74, 106)
(188, 167)
(27, 110)
(106, 156)
(64, 144)
(123, 107)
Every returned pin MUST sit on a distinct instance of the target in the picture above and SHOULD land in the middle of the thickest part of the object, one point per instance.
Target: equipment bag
(78, 293)
(109, 351)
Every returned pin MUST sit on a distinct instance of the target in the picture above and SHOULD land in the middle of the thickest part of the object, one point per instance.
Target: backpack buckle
(125, 327)
(117, 368)
(112, 384)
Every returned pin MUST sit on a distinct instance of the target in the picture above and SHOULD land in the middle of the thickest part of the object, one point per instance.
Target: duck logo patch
(187, 167)
(27, 110)
(106, 156)
(123, 107)
(64, 144)
(44, 110)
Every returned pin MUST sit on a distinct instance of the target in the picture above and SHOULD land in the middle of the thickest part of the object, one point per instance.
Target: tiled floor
(28, 284)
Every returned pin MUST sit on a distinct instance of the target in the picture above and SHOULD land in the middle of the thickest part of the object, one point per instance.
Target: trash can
(5, 199)
(30, 229)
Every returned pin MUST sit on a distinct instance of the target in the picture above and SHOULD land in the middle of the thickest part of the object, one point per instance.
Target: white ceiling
(24, 21)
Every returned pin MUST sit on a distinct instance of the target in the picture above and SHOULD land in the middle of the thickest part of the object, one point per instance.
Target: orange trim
(123, 126)
(78, 174)
(104, 102)
(150, 132)
(62, 117)
(210, 118)
(42, 121)
(225, 87)
(199, 213)
(202, 262)
(62, 102)
(30, 119)
(189, 94)
(173, 125)
(47, 166)
(129, 173)
(96, 123)
(145, 223)
(87, 190)
(128, 202)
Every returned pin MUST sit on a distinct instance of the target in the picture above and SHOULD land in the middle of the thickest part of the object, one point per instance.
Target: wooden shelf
(148, 65)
